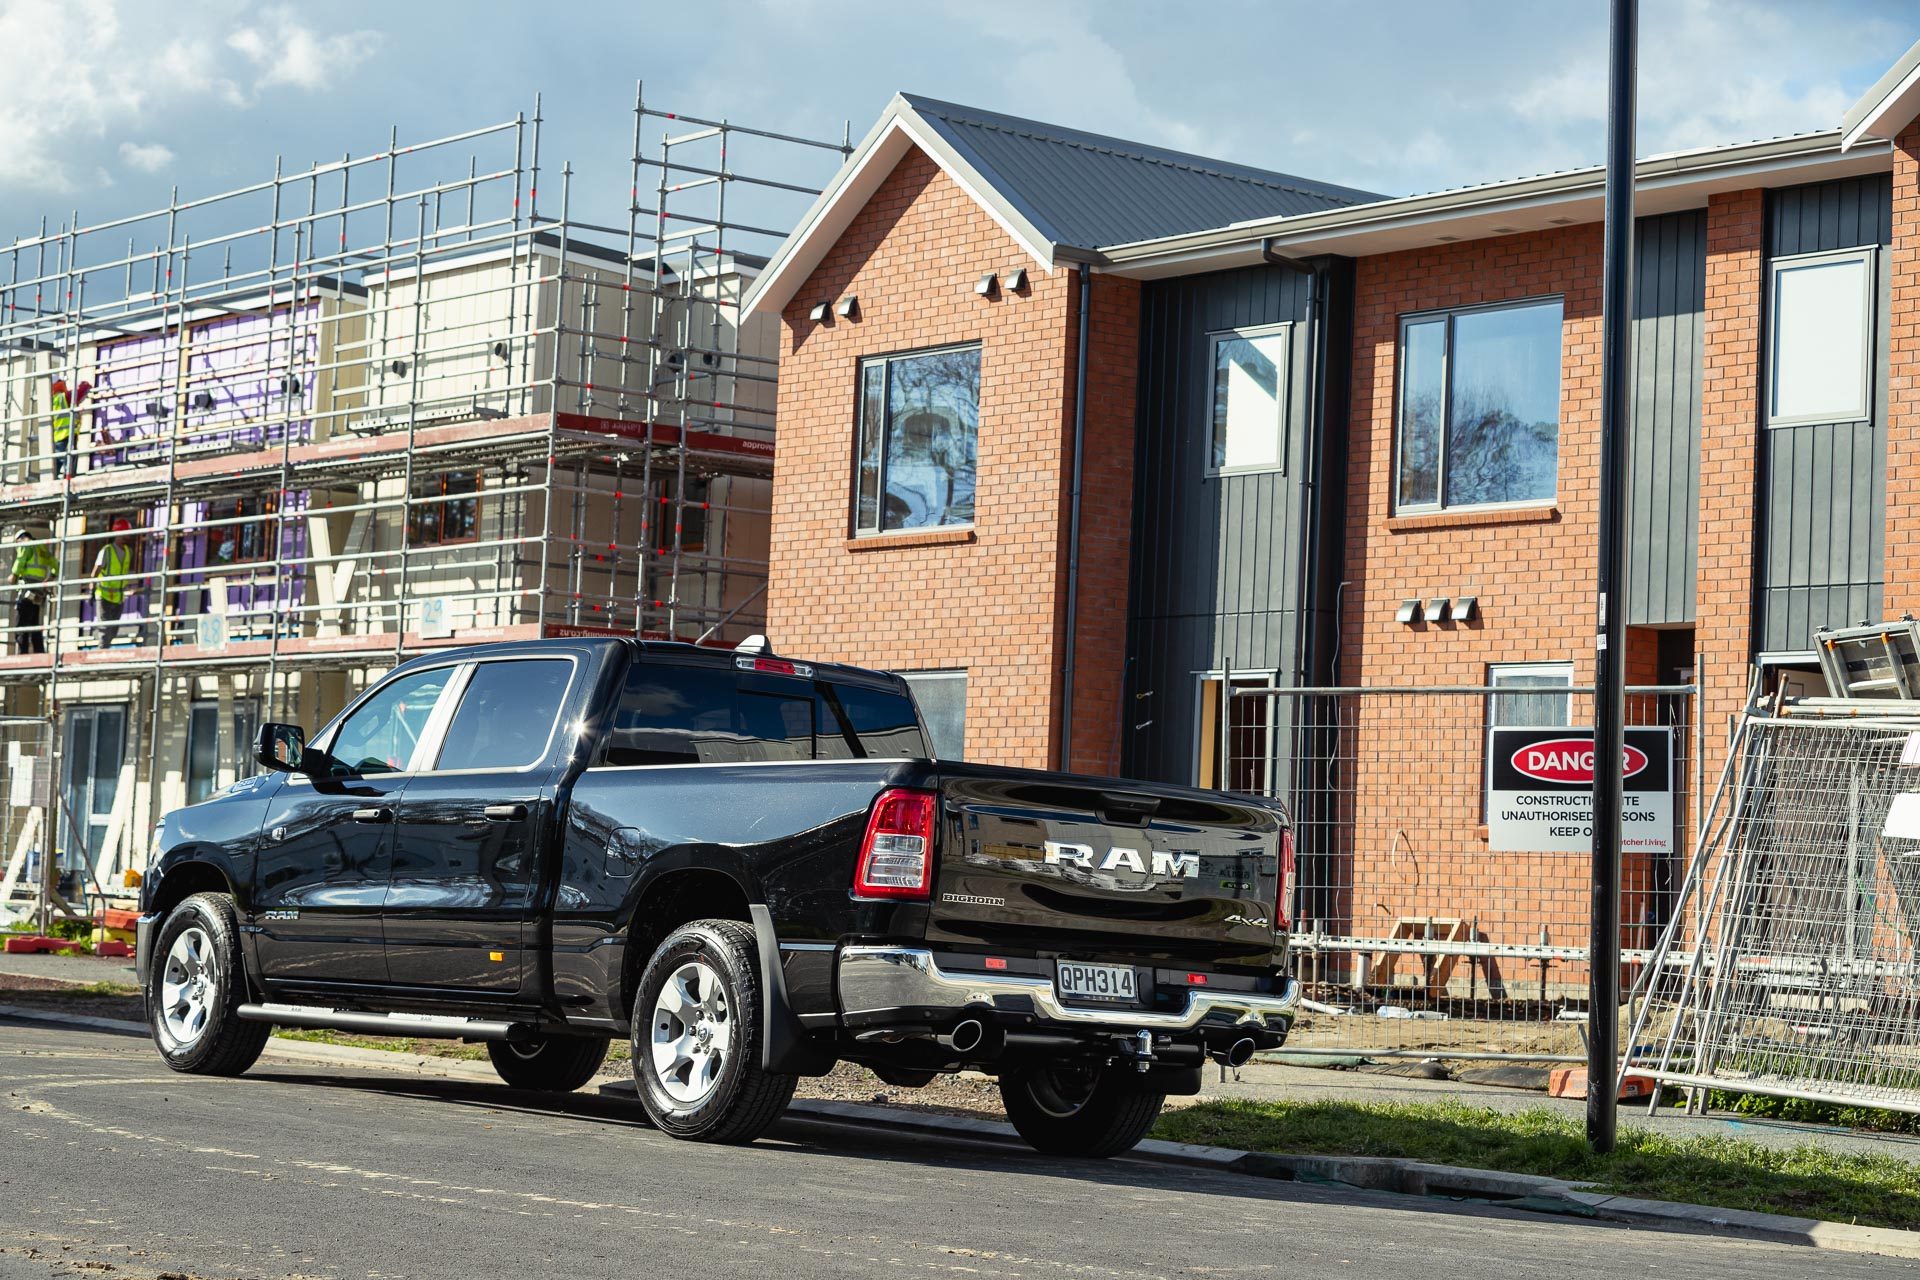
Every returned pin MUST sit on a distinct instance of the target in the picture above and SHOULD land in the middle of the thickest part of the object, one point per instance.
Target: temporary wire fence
(1796, 975)
(26, 812)
(1425, 922)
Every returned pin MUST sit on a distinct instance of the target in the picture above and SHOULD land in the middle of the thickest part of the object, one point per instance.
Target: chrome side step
(430, 1026)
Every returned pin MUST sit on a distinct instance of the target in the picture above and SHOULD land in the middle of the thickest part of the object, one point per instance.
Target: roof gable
(1062, 194)
(1887, 108)
(1088, 191)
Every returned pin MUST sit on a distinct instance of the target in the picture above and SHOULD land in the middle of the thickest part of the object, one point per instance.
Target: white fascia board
(1884, 112)
(834, 211)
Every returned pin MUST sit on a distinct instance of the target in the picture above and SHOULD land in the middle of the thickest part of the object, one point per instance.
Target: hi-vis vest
(34, 564)
(113, 570)
(62, 417)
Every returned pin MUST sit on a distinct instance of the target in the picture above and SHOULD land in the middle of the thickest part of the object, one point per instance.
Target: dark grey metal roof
(1088, 191)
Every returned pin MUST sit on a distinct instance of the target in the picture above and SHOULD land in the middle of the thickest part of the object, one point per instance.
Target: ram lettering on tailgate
(1164, 862)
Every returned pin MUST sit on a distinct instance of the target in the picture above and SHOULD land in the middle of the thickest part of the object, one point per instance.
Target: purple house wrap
(245, 374)
(247, 557)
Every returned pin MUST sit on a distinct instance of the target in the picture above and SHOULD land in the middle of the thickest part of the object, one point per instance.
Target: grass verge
(1805, 1181)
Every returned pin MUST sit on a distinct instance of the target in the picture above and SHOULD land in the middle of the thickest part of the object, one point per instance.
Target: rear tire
(551, 1064)
(195, 983)
(696, 1037)
(1071, 1109)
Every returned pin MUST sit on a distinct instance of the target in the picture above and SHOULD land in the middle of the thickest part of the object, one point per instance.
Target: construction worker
(34, 566)
(64, 443)
(112, 575)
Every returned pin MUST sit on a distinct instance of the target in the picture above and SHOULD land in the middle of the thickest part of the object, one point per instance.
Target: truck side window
(857, 722)
(506, 716)
(381, 736)
(671, 714)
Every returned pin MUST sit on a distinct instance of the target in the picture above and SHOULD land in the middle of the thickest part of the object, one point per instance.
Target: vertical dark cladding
(1669, 299)
(1823, 485)
(1226, 570)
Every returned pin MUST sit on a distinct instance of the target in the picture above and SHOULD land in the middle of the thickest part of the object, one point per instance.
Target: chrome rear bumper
(878, 981)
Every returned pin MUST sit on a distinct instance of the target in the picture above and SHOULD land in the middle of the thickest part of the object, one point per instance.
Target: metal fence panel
(26, 809)
(1415, 934)
(1799, 977)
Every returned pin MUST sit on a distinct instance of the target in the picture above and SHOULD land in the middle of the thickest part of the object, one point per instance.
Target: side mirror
(281, 747)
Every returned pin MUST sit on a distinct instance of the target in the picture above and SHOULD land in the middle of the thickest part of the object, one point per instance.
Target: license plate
(1095, 981)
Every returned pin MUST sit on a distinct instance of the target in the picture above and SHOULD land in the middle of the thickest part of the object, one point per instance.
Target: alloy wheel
(189, 986)
(692, 1032)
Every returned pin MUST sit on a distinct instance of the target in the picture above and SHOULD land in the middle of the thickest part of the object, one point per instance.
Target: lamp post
(1610, 667)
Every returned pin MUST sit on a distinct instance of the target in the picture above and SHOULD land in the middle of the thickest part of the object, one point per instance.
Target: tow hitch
(1138, 1049)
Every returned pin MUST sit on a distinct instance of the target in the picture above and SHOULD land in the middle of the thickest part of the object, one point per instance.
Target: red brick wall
(1903, 383)
(991, 599)
(1421, 849)
(1729, 458)
(1106, 523)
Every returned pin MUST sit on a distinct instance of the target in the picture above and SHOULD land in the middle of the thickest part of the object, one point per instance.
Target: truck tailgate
(1094, 868)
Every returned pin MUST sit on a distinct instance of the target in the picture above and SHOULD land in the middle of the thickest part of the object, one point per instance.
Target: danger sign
(1541, 797)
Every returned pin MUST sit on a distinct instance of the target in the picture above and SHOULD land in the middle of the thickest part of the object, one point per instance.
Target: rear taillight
(896, 858)
(1283, 901)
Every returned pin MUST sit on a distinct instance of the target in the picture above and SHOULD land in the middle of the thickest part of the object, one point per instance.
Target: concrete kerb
(1370, 1173)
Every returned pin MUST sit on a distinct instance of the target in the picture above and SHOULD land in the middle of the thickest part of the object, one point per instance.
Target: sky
(110, 104)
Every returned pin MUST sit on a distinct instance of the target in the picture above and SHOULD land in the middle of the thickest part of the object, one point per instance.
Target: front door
(96, 749)
(327, 848)
(471, 828)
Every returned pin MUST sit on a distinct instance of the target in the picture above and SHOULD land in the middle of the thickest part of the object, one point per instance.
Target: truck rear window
(671, 714)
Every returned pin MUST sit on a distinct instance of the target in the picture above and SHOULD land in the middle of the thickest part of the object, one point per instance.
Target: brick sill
(1549, 514)
(913, 538)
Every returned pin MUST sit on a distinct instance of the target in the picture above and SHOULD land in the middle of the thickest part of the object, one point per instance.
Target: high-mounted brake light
(1283, 902)
(773, 666)
(896, 858)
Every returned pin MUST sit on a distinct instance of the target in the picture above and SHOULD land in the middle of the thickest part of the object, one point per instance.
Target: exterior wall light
(1409, 611)
(848, 308)
(985, 287)
(819, 313)
(1463, 607)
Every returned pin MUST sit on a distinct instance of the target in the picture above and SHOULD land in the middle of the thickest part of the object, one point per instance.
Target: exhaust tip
(968, 1033)
(1239, 1052)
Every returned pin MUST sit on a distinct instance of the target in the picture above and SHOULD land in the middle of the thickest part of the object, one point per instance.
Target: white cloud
(286, 51)
(1718, 71)
(74, 73)
(149, 157)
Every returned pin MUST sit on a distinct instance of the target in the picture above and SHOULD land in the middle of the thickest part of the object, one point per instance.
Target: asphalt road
(113, 1167)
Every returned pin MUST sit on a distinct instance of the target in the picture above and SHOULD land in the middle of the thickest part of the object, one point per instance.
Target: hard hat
(83, 388)
(121, 524)
(59, 384)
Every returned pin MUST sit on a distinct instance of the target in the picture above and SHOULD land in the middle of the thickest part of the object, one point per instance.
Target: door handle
(377, 813)
(505, 812)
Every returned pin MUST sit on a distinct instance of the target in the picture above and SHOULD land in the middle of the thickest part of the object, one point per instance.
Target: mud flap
(784, 1045)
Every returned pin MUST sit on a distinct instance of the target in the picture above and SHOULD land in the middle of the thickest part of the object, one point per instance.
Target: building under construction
(353, 413)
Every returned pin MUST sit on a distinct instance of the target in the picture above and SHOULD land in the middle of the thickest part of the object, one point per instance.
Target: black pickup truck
(752, 867)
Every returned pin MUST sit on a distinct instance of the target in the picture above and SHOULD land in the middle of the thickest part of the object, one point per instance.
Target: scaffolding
(389, 403)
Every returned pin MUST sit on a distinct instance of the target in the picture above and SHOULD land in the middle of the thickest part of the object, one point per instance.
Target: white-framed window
(1546, 702)
(942, 699)
(1820, 344)
(1477, 418)
(1247, 742)
(919, 423)
(205, 748)
(1247, 398)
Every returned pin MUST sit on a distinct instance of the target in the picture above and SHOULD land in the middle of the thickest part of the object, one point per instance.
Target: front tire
(551, 1064)
(1074, 1109)
(696, 1037)
(195, 986)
